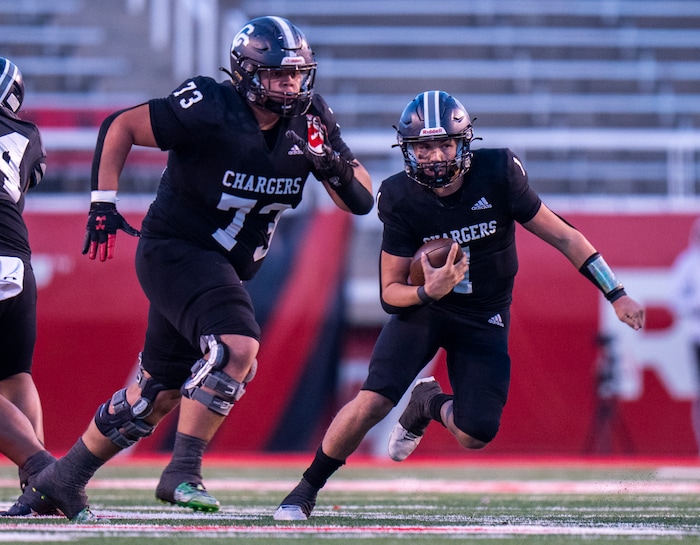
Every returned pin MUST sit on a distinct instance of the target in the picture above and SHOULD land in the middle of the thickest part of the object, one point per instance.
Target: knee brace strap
(124, 427)
(218, 358)
(149, 390)
(228, 389)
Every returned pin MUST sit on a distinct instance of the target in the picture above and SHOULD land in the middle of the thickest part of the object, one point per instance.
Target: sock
(321, 469)
(33, 465)
(186, 460)
(79, 465)
(185, 466)
(436, 404)
(62, 483)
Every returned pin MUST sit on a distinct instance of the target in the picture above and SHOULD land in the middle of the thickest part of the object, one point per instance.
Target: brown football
(437, 250)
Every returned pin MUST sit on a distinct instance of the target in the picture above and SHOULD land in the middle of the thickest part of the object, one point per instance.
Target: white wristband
(103, 195)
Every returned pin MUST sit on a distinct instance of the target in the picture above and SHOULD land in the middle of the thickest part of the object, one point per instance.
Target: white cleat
(402, 443)
(289, 512)
(416, 417)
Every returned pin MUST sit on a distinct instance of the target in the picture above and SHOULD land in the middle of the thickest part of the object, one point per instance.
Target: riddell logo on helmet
(293, 60)
(432, 132)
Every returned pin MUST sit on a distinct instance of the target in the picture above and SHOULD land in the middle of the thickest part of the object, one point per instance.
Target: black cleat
(18, 509)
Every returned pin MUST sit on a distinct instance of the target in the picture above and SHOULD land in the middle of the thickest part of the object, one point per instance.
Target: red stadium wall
(92, 319)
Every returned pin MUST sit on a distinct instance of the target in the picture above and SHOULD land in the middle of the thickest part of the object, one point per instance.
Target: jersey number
(12, 147)
(194, 97)
(465, 286)
(227, 237)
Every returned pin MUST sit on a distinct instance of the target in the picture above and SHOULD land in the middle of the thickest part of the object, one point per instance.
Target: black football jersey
(22, 164)
(227, 183)
(481, 217)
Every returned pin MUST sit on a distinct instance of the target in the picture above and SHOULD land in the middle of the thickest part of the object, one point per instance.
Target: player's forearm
(118, 133)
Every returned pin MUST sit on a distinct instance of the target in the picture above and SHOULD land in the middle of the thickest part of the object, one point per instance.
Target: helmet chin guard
(431, 116)
(266, 45)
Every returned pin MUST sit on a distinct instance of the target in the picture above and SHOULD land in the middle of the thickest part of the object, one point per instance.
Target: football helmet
(435, 115)
(267, 45)
(11, 85)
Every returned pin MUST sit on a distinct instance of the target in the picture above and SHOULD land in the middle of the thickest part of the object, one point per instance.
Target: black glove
(328, 164)
(103, 222)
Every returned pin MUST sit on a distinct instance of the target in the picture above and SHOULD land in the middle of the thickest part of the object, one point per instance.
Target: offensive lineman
(475, 198)
(239, 155)
(22, 166)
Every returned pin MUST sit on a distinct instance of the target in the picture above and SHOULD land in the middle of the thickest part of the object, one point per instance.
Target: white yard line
(425, 485)
(20, 532)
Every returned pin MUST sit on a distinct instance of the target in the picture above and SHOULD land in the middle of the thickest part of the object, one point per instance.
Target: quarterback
(473, 197)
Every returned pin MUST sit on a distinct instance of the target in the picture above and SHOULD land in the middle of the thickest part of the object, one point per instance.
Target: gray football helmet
(11, 85)
(435, 115)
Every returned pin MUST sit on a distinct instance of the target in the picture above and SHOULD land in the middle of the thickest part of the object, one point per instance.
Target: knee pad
(126, 426)
(207, 374)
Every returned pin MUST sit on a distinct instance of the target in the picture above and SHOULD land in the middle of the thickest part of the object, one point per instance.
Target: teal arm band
(601, 275)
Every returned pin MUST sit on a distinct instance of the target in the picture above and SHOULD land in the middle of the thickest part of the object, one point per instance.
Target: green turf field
(382, 503)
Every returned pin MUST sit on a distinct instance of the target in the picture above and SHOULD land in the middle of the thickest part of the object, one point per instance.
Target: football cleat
(298, 504)
(194, 496)
(402, 443)
(409, 430)
(48, 490)
(290, 512)
(18, 509)
(85, 516)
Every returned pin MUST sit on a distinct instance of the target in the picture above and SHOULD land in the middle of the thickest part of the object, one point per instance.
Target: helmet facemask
(290, 104)
(436, 173)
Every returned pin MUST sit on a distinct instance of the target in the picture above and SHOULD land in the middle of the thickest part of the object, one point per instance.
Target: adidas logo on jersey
(496, 320)
(295, 150)
(481, 204)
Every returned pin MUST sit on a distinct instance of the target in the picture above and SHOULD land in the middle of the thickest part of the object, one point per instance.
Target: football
(437, 250)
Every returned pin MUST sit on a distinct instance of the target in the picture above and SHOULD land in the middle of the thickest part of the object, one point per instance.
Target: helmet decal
(242, 38)
(287, 33)
(431, 101)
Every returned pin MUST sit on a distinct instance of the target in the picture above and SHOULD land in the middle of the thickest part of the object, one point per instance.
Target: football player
(22, 166)
(238, 157)
(474, 197)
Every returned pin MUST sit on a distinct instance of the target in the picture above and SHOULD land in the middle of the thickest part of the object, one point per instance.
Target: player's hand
(439, 281)
(102, 225)
(328, 163)
(629, 311)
